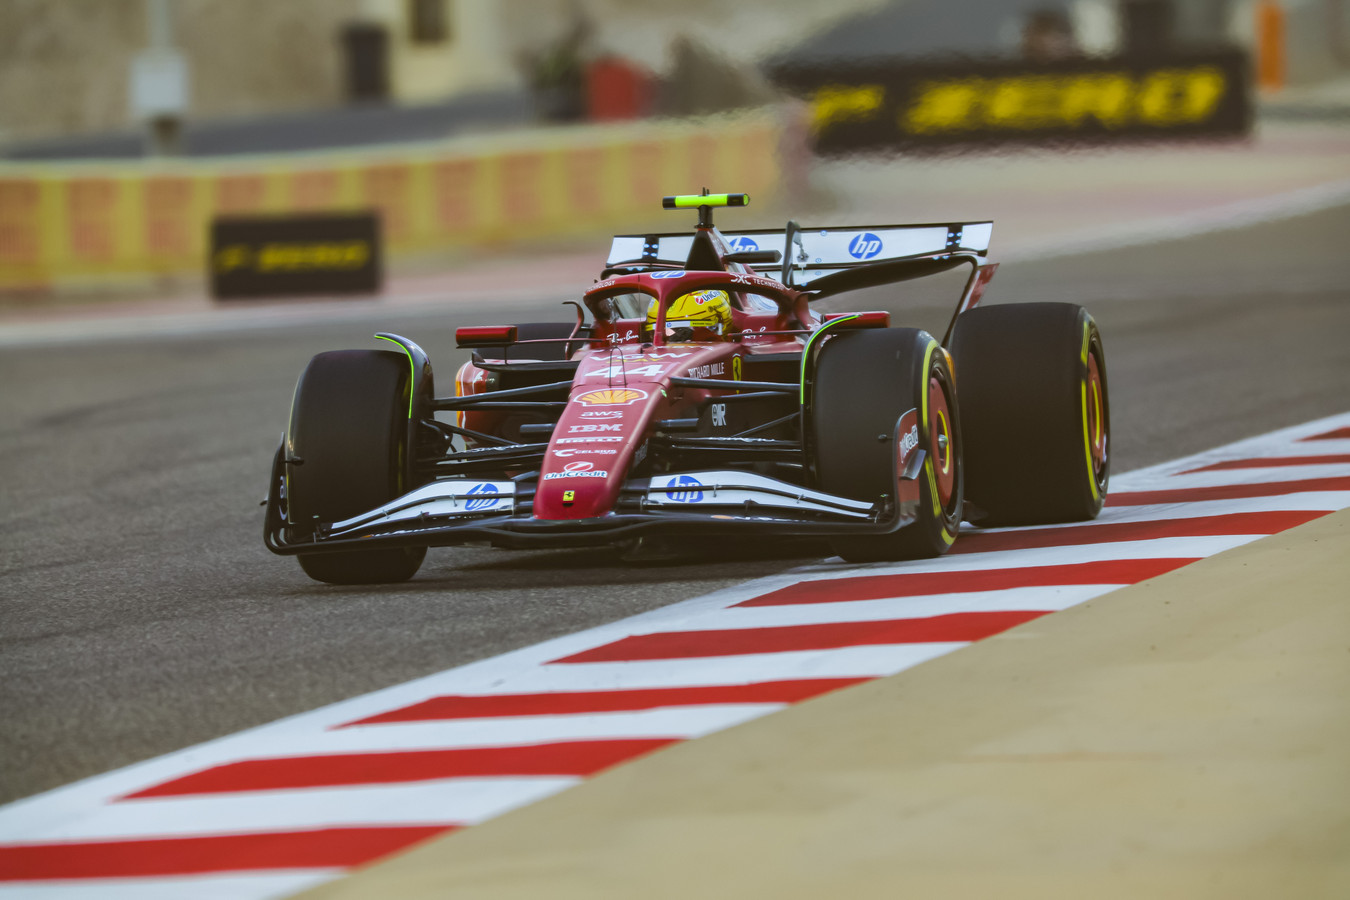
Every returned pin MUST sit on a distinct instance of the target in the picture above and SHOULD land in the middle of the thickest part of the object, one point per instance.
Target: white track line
(445, 802)
(202, 887)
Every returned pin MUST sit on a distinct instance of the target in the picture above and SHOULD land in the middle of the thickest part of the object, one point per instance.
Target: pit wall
(95, 224)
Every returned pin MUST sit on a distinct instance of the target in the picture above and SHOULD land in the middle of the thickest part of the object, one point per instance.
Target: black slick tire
(1035, 413)
(348, 431)
(864, 382)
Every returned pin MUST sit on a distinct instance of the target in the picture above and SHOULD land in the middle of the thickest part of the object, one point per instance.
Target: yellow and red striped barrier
(70, 223)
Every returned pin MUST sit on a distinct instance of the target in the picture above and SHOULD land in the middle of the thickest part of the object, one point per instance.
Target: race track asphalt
(139, 612)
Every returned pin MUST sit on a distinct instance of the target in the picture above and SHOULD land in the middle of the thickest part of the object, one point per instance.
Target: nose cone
(592, 449)
(616, 396)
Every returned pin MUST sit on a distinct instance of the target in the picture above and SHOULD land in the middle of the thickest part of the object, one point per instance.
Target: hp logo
(864, 246)
(479, 502)
(740, 244)
(685, 489)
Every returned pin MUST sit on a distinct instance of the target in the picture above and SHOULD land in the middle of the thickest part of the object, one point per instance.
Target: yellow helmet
(697, 309)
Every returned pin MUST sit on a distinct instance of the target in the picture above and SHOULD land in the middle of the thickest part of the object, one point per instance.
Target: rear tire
(349, 426)
(865, 382)
(1034, 412)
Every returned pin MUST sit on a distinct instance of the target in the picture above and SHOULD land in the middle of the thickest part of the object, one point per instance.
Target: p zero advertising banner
(270, 256)
(915, 105)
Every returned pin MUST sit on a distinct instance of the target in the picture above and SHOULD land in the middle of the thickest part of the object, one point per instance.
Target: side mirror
(754, 257)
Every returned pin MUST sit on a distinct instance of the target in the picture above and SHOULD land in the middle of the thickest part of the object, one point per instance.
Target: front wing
(499, 512)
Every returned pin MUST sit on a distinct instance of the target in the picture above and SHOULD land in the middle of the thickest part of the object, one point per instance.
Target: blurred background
(129, 127)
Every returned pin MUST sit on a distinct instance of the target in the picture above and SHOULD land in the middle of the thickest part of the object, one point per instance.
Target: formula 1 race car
(703, 396)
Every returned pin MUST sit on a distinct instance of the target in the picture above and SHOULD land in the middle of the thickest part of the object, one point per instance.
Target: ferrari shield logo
(612, 397)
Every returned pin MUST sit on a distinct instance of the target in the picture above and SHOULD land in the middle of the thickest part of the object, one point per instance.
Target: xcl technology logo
(740, 244)
(864, 246)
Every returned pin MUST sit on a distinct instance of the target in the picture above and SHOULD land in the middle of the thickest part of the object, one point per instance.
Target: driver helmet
(698, 315)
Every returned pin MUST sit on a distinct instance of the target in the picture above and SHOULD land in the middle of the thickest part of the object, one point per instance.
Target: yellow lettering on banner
(943, 106)
(273, 257)
(1105, 97)
(1113, 99)
(1030, 101)
(234, 256)
(845, 104)
(1180, 96)
(356, 255)
(295, 257)
(1160, 98)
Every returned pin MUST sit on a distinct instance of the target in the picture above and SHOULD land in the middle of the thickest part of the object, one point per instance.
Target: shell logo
(612, 397)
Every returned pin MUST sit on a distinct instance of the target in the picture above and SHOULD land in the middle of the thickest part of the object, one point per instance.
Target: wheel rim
(1095, 422)
(941, 442)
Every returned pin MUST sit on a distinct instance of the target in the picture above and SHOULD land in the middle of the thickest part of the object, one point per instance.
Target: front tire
(349, 431)
(865, 381)
(1035, 413)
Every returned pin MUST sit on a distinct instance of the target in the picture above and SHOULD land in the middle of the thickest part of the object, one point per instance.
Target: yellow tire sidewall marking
(1083, 403)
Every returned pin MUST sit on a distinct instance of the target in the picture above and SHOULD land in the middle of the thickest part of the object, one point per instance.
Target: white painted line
(201, 887)
(1252, 475)
(669, 722)
(1049, 599)
(846, 662)
(1161, 548)
(448, 802)
(1286, 441)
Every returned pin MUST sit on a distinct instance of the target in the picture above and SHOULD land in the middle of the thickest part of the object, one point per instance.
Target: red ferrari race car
(698, 393)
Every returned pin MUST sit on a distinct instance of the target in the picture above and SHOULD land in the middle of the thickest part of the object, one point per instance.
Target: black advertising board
(271, 256)
(912, 105)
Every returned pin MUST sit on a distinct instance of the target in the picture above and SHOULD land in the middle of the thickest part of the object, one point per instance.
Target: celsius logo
(479, 501)
(740, 244)
(685, 489)
(575, 451)
(864, 246)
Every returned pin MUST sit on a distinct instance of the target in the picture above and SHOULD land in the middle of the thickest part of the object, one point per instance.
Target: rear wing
(813, 253)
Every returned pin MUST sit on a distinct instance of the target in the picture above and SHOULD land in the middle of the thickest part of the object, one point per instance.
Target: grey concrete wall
(65, 64)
